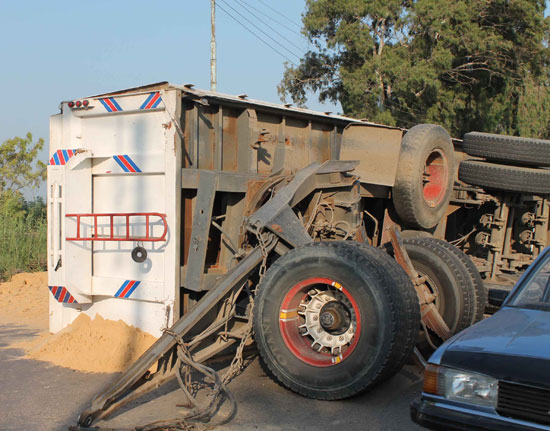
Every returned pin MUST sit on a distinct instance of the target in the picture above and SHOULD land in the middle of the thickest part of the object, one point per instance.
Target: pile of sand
(96, 345)
(24, 300)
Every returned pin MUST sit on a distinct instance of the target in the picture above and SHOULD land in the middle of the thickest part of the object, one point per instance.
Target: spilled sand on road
(91, 345)
(98, 345)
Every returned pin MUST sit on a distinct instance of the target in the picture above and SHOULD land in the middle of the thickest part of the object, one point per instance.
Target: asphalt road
(37, 396)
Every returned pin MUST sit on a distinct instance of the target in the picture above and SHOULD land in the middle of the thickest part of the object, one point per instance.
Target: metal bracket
(430, 316)
(201, 227)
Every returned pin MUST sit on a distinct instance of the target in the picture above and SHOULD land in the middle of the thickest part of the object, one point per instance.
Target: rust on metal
(429, 313)
(433, 320)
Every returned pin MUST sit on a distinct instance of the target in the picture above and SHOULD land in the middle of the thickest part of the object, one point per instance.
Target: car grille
(524, 402)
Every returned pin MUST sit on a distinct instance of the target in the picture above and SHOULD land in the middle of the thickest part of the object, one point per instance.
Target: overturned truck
(203, 218)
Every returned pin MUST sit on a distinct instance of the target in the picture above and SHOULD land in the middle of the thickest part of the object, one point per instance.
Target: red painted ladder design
(111, 235)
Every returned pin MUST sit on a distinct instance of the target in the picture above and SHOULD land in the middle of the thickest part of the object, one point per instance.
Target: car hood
(512, 345)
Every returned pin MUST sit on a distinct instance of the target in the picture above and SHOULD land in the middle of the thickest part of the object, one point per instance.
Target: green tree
(22, 223)
(18, 168)
(464, 64)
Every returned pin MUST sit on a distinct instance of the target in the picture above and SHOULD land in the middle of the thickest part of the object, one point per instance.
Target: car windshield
(535, 292)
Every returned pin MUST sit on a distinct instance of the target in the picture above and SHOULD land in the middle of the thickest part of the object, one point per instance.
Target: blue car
(495, 375)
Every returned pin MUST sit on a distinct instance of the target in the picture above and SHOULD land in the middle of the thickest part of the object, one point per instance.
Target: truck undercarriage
(207, 219)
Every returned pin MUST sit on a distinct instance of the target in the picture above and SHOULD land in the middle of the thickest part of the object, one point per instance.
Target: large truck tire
(448, 278)
(510, 149)
(425, 176)
(330, 319)
(475, 278)
(504, 177)
(408, 301)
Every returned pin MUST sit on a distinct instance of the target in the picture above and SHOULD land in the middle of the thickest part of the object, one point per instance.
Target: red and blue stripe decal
(152, 101)
(126, 163)
(127, 289)
(61, 157)
(110, 104)
(61, 294)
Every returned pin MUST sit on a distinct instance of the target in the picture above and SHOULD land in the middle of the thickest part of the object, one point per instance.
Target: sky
(61, 50)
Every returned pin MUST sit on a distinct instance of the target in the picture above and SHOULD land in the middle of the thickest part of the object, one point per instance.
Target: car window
(536, 290)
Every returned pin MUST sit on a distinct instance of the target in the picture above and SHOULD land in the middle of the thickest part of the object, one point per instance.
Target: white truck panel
(120, 155)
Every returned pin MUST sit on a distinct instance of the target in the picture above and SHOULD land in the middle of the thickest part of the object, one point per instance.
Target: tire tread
(503, 148)
(397, 299)
(504, 177)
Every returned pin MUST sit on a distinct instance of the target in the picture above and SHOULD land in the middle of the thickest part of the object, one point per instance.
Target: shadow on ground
(39, 396)
(35, 395)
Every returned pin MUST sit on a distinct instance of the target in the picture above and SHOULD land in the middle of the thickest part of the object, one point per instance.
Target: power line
(393, 105)
(279, 13)
(255, 35)
(276, 21)
(267, 25)
(258, 28)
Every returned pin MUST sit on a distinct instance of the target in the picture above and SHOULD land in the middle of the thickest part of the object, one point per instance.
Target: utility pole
(213, 45)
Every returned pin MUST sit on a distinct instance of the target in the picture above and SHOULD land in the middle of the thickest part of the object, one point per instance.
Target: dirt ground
(24, 299)
(44, 396)
(90, 345)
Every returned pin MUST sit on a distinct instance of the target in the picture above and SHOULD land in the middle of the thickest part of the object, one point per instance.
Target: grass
(23, 231)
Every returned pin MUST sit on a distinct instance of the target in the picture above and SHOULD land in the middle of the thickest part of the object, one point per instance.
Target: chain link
(186, 362)
(265, 253)
(185, 365)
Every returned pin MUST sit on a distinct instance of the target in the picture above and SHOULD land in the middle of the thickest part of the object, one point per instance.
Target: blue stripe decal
(117, 106)
(66, 156)
(136, 284)
(107, 107)
(124, 168)
(129, 160)
(156, 103)
(147, 101)
(58, 293)
(119, 291)
(56, 158)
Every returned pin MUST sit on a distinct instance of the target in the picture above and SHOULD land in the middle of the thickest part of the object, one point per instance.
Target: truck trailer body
(195, 216)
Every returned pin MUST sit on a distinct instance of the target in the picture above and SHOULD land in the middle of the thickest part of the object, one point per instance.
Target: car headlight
(458, 385)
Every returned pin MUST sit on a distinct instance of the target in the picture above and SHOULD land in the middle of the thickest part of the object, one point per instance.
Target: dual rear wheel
(334, 319)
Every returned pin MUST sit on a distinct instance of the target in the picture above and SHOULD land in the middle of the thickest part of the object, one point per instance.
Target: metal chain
(220, 392)
(265, 252)
(237, 364)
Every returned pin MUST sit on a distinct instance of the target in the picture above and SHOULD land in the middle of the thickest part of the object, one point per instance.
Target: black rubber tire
(386, 306)
(408, 301)
(511, 149)
(408, 191)
(449, 276)
(479, 287)
(504, 177)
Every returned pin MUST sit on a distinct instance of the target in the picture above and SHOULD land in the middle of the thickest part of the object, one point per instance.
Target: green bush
(23, 230)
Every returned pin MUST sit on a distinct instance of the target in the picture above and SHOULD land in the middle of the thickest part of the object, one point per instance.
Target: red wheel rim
(290, 322)
(435, 177)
